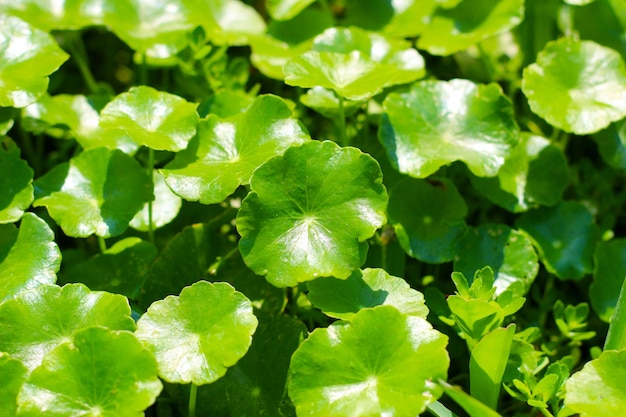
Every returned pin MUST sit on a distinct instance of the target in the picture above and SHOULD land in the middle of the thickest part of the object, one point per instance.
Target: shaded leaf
(612, 144)
(609, 270)
(471, 405)
(325, 102)
(16, 179)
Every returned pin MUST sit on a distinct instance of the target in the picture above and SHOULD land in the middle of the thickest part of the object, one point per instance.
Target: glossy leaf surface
(609, 272)
(286, 9)
(165, 206)
(16, 179)
(97, 192)
(439, 122)
(75, 14)
(27, 57)
(325, 102)
(29, 257)
(226, 151)
(36, 321)
(381, 363)
(577, 86)
(343, 298)
(196, 336)
(231, 22)
(470, 404)
(152, 118)
(13, 375)
(309, 213)
(100, 372)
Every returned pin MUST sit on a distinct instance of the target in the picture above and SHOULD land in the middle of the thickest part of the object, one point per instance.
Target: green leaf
(435, 123)
(28, 256)
(99, 191)
(310, 212)
(7, 119)
(286, 9)
(44, 15)
(576, 86)
(120, 269)
(427, 216)
(13, 376)
(609, 261)
(36, 321)
(16, 179)
(226, 151)
(99, 373)
(325, 102)
(356, 64)
(196, 336)
(152, 118)
(343, 298)
(612, 144)
(226, 103)
(27, 57)
(536, 173)
(507, 251)
(471, 405)
(165, 206)
(564, 236)
(230, 22)
(471, 21)
(401, 19)
(616, 335)
(598, 389)
(381, 363)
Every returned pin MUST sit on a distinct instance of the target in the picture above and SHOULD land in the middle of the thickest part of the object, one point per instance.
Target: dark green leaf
(609, 271)
(16, 179)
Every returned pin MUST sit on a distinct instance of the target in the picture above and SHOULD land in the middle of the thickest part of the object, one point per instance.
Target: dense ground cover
(312, 208)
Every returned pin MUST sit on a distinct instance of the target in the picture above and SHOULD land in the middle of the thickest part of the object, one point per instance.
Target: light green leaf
(36, 321)
(401, 19)
(325, 102)
(226, 151)
(439, 122)
(152, 118)
(165, 206)
(427, 216)
(578, 2)
(235, 23)
(16, 183)
(13, 375)
(28, 256)
(471, 405)
(310, 212)
(356, 64)
(226, 103)
(99, 373)
(609, 271)
(343, 298)
(286, 9)
(45, 15)
(196, 336)
(577, 86)
(27, 57)
(381, 363)
(99, 191)
(616, 335)
(565, 237)
(598, 389)
(469, 22)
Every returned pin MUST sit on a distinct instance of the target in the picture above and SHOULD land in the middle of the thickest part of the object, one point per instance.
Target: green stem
(143, 71)
(544, 411)
(77, 50)
(193, 393)
(342, 121)
(487, 64)
(150, 174)
(102, 244)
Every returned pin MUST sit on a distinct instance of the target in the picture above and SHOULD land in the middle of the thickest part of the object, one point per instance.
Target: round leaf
(381, 363)
(356, 64)
(99, 191)
(152, 118)
(577, 86)
(28, 256)
(535, 173)
(36, 321)
(99, 373)
(310, 212)
(230, 22)
(427, 216)
(165, 206)
(196, 336)
(13, 376)
(325, 102)
(343, 298)
(608, 276)
(226, 151)
(27, 57)
(564, 236)
(471, 21)
(16, 179)
(438, 122)
(47, 16)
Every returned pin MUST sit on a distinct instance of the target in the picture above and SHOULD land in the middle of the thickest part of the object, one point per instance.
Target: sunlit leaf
(381, 363)
(27, 57)
(47, 15)
(13, 375)
(38, 320)
(439, 122)
(230, 22)
(310, 212)
(609, 273)
(165, 206)
(401, 19)
(470, 404)
(577, 86)
(325, 102)
(226, 151)
(343, 298)
(286, 9)
(196, 336)
(16, 179)
(99, 191)
(98, 373)
(28, 256)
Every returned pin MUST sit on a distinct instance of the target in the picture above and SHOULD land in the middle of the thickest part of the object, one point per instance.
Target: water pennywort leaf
(13, 375)
(16, 179)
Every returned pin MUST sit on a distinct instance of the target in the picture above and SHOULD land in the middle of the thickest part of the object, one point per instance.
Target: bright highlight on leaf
(381, 363)
(310, 212)
(165, 206)
(16, 179)
(439, 122)
(577, 86)
(196, 336)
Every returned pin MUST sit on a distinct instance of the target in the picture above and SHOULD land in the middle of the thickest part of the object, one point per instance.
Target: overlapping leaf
(286, 9)
(226, 151)
(13, 375)
(230, 22)
(438, 122)
(28, 256)
(402, 19)
(74, 14)
(609, 272)
(27, 57)
(99, 191)
(165, 206)
(16, 179)
(381, 363)
(612, 144)
(309, 213)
